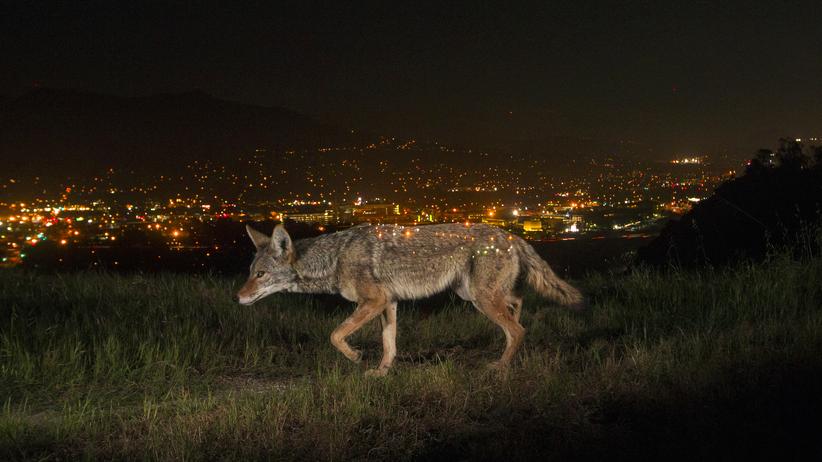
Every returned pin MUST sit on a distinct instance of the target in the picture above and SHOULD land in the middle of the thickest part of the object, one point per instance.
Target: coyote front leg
(389, 341)
(366, 311)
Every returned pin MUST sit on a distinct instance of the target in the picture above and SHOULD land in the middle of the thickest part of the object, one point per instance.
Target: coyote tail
(542, 278)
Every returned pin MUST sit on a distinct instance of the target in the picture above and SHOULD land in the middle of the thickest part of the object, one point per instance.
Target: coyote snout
(376, 266)
(249, 293)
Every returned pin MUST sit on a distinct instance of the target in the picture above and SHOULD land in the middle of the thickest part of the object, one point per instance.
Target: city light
(545, 206)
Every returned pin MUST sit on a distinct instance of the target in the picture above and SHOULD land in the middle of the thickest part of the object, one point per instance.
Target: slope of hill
(47, 131)
(684, 366)
(745, 218)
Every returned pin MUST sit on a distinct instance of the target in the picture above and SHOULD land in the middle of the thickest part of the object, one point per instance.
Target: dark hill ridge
(75, 132)
(66, 132)
(745, 218)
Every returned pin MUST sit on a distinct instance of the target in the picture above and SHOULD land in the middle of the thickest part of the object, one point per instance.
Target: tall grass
(96, 365)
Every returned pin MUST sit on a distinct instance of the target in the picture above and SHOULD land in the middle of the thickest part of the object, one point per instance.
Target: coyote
(375, 266)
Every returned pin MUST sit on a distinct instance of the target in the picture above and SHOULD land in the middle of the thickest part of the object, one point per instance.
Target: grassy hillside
(167, 367)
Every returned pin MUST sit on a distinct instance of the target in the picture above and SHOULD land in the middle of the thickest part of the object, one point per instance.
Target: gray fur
(378, 265)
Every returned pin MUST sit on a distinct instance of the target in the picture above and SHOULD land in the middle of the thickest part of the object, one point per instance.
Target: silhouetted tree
(762, 160)
(791, 155)
(817, 155)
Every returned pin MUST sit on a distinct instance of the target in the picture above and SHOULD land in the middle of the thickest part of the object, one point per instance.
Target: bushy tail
(542, 278)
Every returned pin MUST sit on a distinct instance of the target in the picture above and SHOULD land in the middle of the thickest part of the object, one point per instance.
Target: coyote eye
(260, 274)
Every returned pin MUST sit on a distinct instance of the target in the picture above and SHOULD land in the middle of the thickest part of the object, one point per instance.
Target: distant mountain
(48, 131)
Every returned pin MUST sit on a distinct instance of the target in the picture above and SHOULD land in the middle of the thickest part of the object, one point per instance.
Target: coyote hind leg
(498, 312)
(515, 304)
(366, 311)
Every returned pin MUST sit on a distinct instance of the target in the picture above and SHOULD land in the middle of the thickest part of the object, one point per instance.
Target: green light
(22, 255)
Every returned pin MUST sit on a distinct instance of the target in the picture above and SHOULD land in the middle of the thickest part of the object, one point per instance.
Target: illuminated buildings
(341, 186)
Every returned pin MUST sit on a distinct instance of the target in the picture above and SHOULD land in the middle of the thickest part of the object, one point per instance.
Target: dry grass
(167, 367)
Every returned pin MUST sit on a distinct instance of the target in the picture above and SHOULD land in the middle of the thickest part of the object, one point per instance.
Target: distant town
(391, 181)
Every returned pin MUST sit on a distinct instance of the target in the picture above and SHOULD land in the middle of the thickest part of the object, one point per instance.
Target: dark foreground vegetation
(667, 365)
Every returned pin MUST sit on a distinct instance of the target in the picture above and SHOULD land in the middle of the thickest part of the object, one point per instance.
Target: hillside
(58, 133)
(745, 219)
(74, 132)
(685, 365)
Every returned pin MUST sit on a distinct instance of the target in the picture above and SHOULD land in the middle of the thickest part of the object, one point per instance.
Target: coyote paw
(499, 367)
(356, 357)
(379, 372)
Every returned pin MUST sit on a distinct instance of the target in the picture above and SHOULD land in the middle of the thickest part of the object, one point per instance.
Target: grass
(674, 365)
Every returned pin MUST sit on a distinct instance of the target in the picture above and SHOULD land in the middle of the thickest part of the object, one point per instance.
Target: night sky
(675, 77)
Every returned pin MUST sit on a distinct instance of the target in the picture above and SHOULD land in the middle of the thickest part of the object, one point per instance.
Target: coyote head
(271, 269)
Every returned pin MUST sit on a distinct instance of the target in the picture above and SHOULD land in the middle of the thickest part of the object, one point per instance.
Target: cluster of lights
(689, 160)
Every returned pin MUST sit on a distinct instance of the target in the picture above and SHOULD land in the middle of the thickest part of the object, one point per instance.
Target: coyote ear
(281, 241)
(259, 239)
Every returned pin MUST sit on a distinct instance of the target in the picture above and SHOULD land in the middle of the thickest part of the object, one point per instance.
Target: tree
(817, 155)
(791, 155)
(763, 159)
